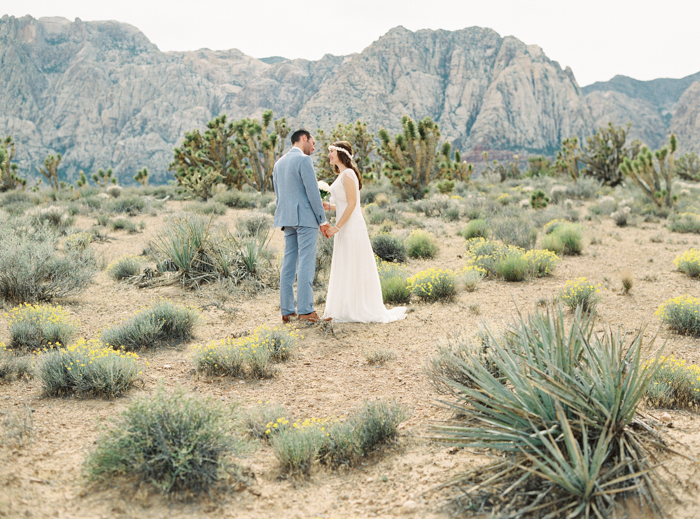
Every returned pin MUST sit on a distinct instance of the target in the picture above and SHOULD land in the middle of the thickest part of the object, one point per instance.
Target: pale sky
(644, 39)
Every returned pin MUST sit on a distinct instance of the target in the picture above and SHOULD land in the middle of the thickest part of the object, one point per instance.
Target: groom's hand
(324, 229)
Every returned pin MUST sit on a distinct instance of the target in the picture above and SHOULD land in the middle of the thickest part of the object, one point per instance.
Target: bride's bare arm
(351, 193)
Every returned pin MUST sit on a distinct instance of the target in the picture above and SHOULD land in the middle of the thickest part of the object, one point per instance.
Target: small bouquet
(324, 189)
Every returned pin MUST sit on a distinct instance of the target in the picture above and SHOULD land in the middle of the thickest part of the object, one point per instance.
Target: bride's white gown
(354, 290)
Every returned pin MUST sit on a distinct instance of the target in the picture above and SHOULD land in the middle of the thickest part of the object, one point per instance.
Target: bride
(354, 289)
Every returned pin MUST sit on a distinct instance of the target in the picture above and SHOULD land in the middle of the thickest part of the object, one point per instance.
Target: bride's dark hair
(346, 160)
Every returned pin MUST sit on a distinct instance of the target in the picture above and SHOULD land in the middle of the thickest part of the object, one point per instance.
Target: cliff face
(652, 107)
(685, 119)
(104, 96)
(484, 91)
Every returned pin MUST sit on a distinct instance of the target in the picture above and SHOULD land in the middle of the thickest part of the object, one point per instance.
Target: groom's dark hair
(296, 136)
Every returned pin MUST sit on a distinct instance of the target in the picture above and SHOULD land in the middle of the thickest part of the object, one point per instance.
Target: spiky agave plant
(563, 416)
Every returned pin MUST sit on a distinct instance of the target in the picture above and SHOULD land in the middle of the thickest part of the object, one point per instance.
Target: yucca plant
(185, 242)
(562, 416)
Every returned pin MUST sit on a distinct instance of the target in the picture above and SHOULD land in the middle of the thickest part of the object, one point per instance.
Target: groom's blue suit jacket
(296, 191)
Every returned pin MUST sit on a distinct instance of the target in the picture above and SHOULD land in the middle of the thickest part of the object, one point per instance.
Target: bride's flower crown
(338, 148)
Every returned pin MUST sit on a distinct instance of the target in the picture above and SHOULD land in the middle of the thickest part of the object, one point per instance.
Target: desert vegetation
(141, 324)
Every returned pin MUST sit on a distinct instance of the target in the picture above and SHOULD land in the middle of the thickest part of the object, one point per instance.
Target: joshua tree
(363, 146)
(82, 181)
(568, 158)
(104, 178)
(256, 150)
(648, 176)
(411, 158)
(504, 172)
(451, 169)
(204, 160)
(50, 170)
(688, 167)
(9, 179)
(605, 151)
(142, 177)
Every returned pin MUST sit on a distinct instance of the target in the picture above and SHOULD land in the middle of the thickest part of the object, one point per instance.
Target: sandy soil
(329, 376)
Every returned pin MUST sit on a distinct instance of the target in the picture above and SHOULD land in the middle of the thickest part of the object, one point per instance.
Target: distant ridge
(101, 94)
(273, 59)
(662, 92)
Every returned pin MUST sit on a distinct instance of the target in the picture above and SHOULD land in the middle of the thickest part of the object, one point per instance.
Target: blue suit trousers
(299, 262)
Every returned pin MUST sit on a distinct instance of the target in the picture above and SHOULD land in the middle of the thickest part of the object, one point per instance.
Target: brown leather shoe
(312, 318)
(288, 317)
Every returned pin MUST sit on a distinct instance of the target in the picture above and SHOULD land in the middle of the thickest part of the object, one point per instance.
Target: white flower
(322, 186)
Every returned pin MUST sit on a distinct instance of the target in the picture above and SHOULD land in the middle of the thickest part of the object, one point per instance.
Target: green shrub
(444, 369)
(682, 314)
(389, 247)
(376, 217)
(541, 262)
(254, 225)
(518, 231)
(235, 198)
(87, 368)
(684, 223)
(674, 384)
(207, 208)
(476, 229)
(78, 243)
(558, 421)
(452, 213)
(13, 367)
(571, 238)
(363, 432)
(251, 355)
(53, 217)
(513, 268)
(421, 245)
(103, 220)
(162, 323)
(472, 276)
(40, 326)
(552, 243)
(486, 254)
(32, 269)
(689, 262)
(125, 267)
(580, 292)
(124, 224)
(258, 421)
(130, 205)
(297, 448)
(434, 285)
(552, 225)
(176, 442)
(394, 281)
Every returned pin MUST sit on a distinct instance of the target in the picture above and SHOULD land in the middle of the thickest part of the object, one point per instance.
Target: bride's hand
(332, 230)
(326, 206)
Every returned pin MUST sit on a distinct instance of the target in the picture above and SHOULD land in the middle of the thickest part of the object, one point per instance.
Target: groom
(299, 213)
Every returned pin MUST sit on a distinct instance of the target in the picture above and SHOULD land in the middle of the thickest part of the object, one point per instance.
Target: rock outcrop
(651, 108)
(104, 96)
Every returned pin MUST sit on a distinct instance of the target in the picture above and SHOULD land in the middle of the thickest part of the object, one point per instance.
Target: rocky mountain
(104, 96)
(652, 107)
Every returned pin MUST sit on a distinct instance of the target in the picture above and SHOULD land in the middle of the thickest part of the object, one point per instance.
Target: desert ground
(329, 376)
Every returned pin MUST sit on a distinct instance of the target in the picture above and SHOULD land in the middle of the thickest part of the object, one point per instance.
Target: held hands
(324, 229)
(333, 230)
(326, 206)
